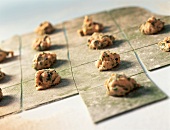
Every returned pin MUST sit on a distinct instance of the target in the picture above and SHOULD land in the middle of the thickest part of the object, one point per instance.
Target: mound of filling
(99, 41)
(4, 54)
(120, 85)
(2, 74)
(45, 28)
(89, 27)
(1, 95)
(44, 60)
(165, 44)
(46, 78)
(152, 26)
(42, 43)
(107, 60)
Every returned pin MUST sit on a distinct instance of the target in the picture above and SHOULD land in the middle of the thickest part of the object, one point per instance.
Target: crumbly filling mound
(2, 74)
(42, 43)
(46, 78)
(120, 85)
(165, 44)
(89, 27)
(107, 60)
(4, 54)
(152, 26)
(99, 40)
(1, 95)
(44, 60)
(45, 28)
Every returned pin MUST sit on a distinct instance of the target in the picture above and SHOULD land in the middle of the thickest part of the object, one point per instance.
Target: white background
(22, 16)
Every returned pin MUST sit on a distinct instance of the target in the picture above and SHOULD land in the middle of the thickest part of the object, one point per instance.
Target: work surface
(79, 76)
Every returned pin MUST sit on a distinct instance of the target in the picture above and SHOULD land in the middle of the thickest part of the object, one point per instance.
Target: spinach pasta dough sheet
(101, 106)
